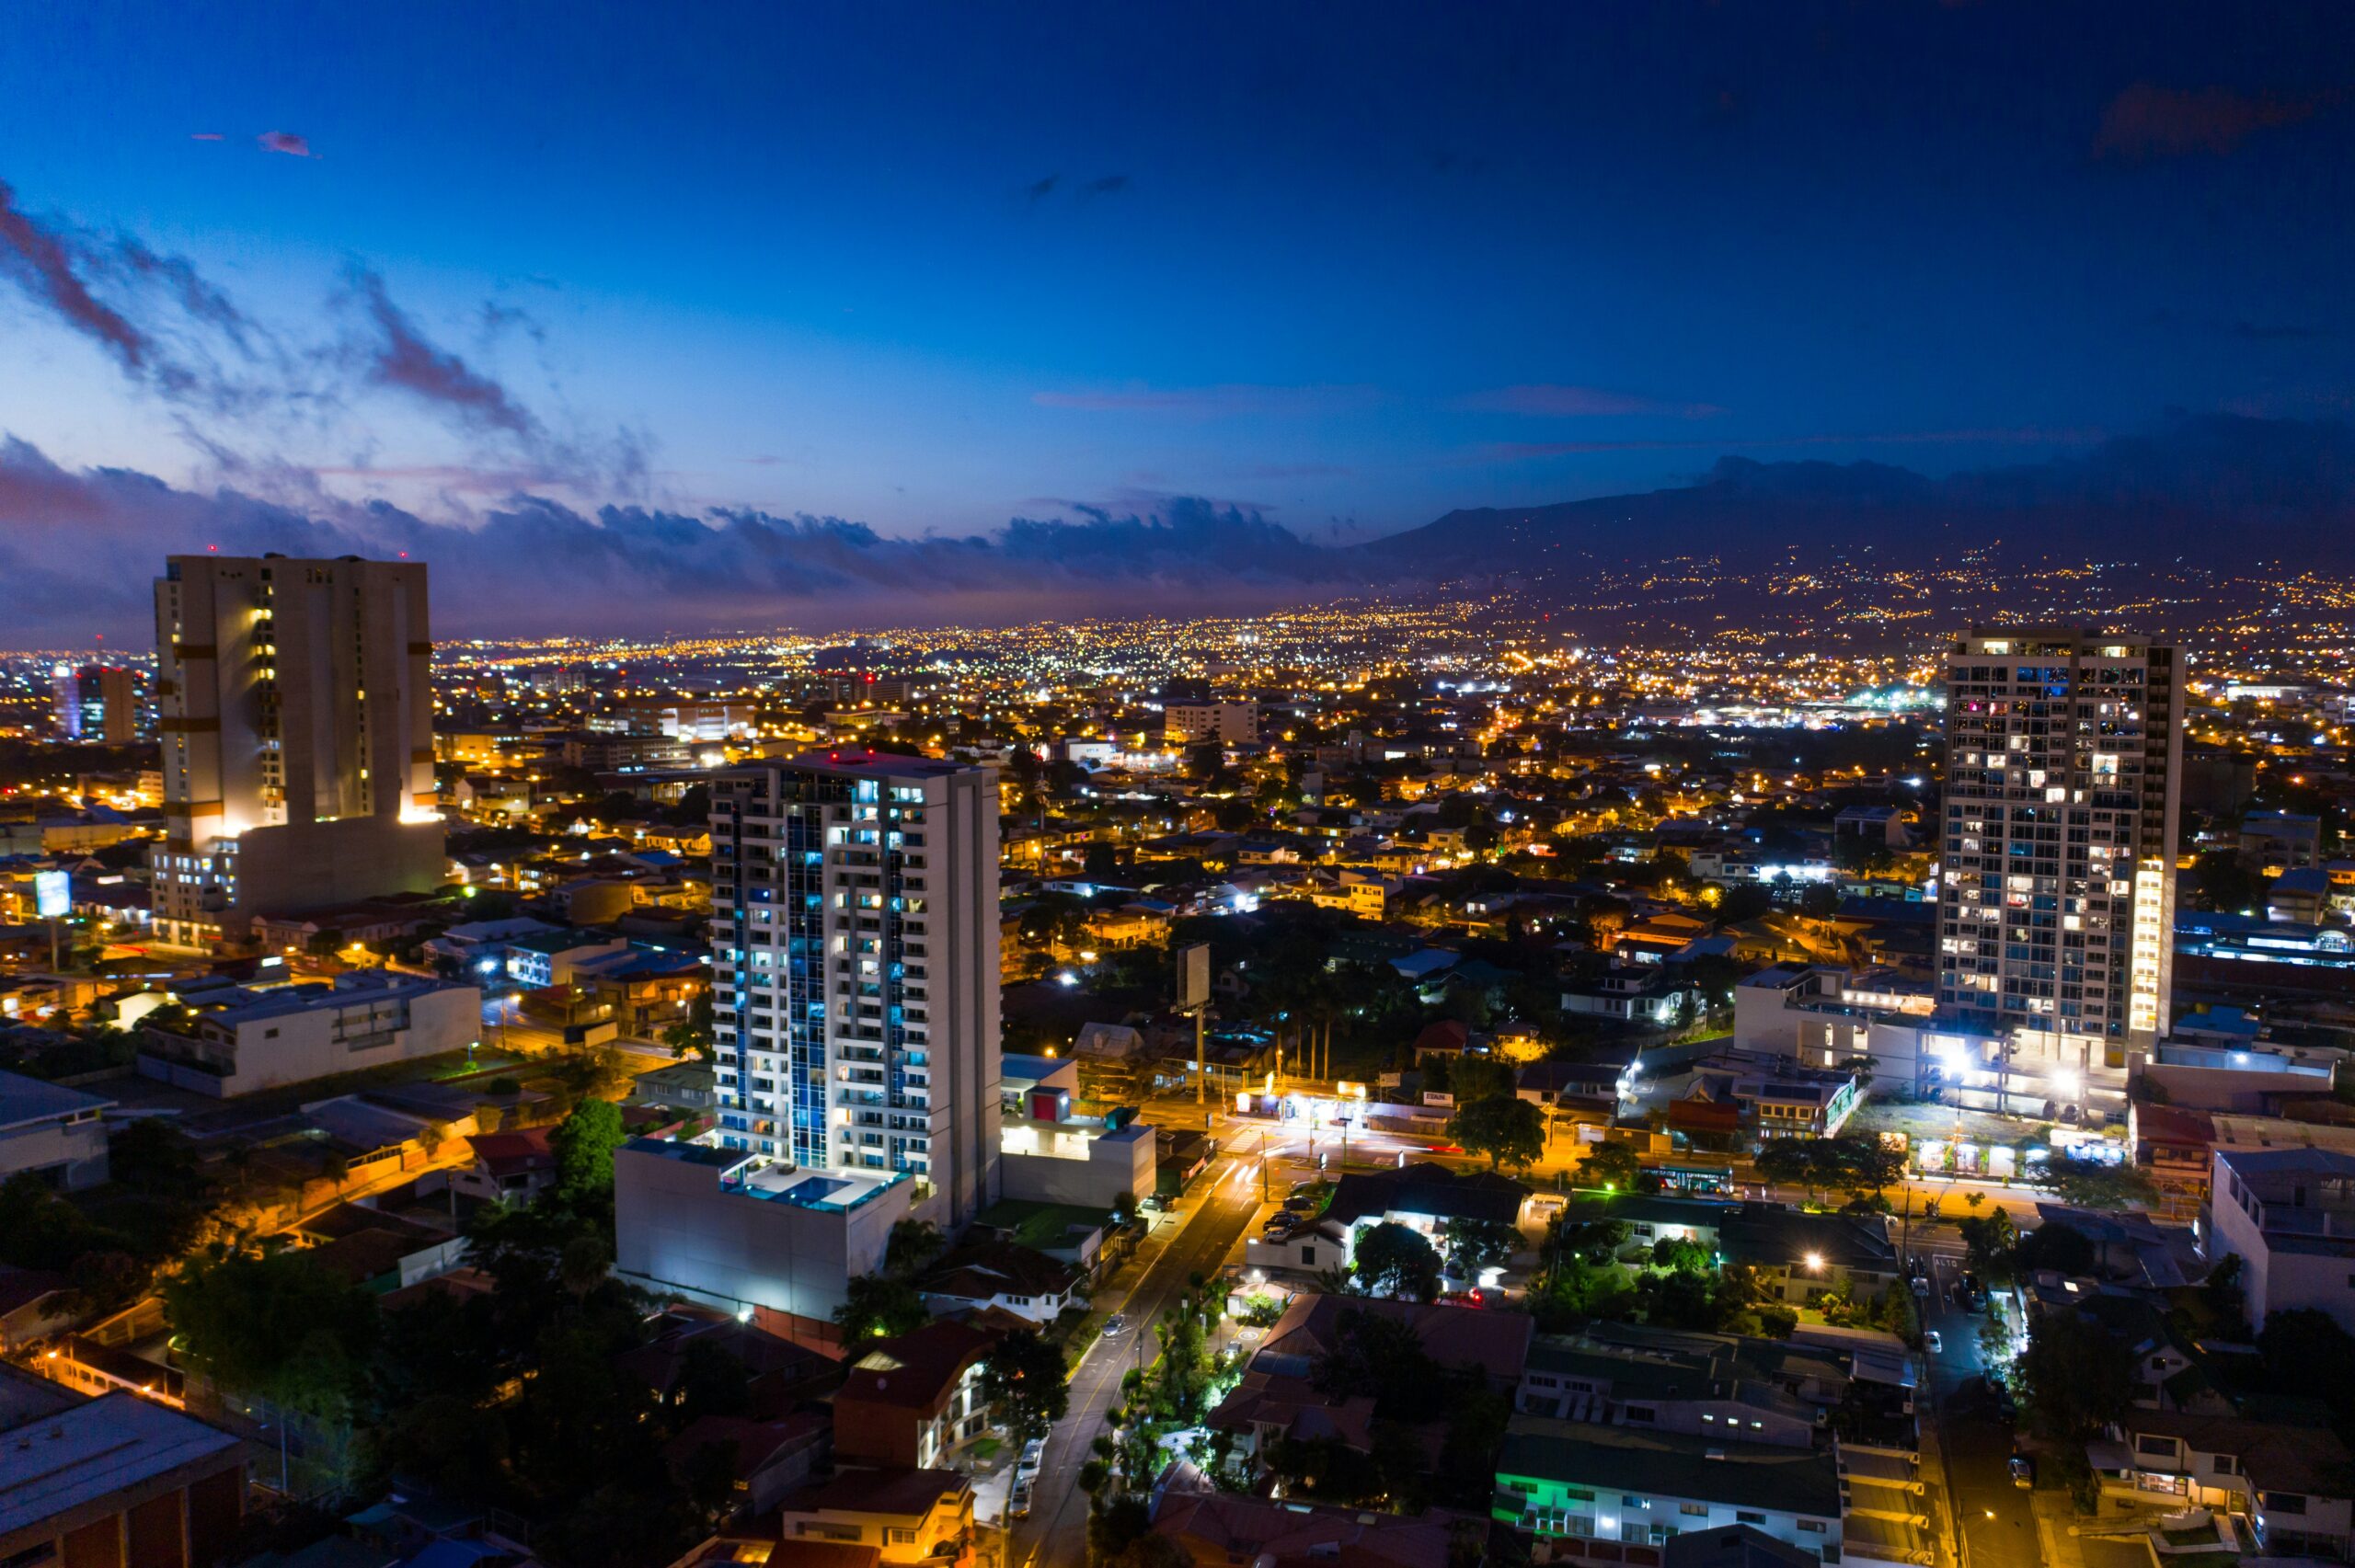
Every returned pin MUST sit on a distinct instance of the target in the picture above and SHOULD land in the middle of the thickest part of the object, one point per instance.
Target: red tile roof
(915, 1371)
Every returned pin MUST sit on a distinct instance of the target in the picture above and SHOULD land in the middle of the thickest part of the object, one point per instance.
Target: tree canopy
(1507, 1129)
(1393, 1260)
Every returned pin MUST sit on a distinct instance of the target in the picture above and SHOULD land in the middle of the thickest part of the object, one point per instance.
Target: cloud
(2148, 121)
(400, 358)
(205, 136)
(1210, 402)
(1108, 185)
(48, 266)
(1039, 190)
(77, 548)
(285, 141)
(1581, 401)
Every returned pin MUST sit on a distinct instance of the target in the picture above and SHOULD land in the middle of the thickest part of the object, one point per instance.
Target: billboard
(1194, 975)
(52, 895)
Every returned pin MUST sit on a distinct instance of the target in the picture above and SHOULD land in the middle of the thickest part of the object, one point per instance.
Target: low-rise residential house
(509, 1167)
(910, 1516)
(779, 1374)
(2289, 1213)
(34, 1304)
(1797, 1257)
(1002, 1275)
(1798, 1107)
(1218, 1529)
(1603, 1493)
(773, 1458)
(242, 1039)
(915, 1399)
(1634, 993)
(2294, 1484)
(1424, 1197)
(57, 1135)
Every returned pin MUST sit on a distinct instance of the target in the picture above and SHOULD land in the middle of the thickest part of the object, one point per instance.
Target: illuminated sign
(52, 895)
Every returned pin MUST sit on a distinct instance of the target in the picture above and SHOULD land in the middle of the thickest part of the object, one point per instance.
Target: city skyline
(1281, 294)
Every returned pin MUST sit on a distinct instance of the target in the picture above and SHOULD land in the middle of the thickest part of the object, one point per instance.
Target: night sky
(931, 269)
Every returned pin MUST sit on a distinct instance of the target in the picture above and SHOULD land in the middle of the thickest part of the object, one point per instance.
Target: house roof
(1427, 1189)
(2275, 1457)
(512, 1153)
(887, 1490)
(1496, 1342)
(984, 1269)
(915, 1370)
(1253, 1528)
(1672, 1464)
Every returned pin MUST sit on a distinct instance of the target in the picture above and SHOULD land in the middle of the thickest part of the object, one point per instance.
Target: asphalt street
(1055, 1535)
(1997, 1523)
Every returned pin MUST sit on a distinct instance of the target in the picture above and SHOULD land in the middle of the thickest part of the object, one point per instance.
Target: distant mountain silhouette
(2214, 489)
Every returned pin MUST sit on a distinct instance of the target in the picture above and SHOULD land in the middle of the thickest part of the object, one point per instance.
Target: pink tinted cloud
(285, 141)
(2148, 121)
(1581, 401)
(36, 258)
(205, 136)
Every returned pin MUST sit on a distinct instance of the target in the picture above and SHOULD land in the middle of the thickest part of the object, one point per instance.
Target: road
(1055, 1535)
(1975, 1443)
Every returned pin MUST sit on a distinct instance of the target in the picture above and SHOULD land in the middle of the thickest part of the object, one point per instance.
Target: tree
(2076, 1376)
(875, 1306)
(1508, 1130)
(1393, 1260)
(913, 1247)
(275, 1325)
(1611, 1166)
(1383, 1358)
(1023, 1378)
(2090, 1186)
(1991, 1240)
(1476, 1244)
(712, 1381)
(1480, 1078)
(693, 1036)
(583, 1144)
(2054, 1247)
(1679, 1255)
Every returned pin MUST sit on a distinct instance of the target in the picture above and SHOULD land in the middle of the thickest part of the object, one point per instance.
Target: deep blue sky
(932, 267)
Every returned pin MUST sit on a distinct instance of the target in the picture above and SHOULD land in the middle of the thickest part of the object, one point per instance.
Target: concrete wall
(76, 1149)
(677, 1229)
(295, 1047)
(1117, 1163)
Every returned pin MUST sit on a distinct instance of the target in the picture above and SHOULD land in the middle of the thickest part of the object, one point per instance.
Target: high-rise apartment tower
(298, 727)
(855, 964)
(2057, 895)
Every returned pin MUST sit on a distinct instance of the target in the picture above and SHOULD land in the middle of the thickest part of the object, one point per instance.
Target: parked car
(2023, 1470)
(1028, 1465)
(1921, 1288)
(1017, 1505)
(1299, 1204)
(1115, 1326)
(1932, 1344)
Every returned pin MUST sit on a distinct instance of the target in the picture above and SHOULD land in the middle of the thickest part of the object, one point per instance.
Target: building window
(1699, 1510)
(1814, 1526)
(900, 1537)
(1640, 1413)
(2284, 1502)
(1744, 1517)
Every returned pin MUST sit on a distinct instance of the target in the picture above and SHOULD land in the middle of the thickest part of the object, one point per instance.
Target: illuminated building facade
(2057, 889)
(297, 728)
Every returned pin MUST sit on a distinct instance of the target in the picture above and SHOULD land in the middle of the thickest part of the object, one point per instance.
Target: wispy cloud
(2149, 122)
(205, 136)
(1219, 402)
(1039, 190)
(285, 141)
(1107, 185)
(1581, 401)
(48, 266)
(399, 356)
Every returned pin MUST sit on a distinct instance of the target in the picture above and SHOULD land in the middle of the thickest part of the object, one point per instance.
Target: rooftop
(1671, 1464)
(95, 1448)
(24, 1101)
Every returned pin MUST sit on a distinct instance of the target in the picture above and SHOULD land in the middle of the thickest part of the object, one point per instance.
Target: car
(2070, 1114)
(1028, 1465)
(1921, 1288)
(1115, 1326)
(1932, 1344)
(1299, 1204)
(2023, 1470)
(1017, 1505)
